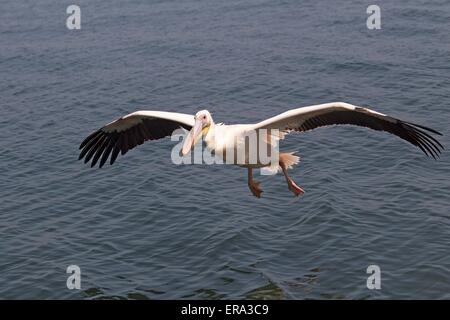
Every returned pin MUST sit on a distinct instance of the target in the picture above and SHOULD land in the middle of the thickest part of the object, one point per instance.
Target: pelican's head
(203, 122)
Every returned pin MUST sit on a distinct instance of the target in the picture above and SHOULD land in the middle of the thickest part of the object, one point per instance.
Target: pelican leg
(291, 184)
(253, 185)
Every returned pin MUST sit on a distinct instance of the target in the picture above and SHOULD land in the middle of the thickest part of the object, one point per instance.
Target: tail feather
(289, 159)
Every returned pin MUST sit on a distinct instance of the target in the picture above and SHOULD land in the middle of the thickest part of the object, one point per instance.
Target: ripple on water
(147, 229)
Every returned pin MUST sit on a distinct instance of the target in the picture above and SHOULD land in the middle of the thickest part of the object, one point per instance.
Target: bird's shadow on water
(298, 288)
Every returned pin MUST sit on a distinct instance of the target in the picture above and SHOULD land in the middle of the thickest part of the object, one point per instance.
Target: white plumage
(133, 129)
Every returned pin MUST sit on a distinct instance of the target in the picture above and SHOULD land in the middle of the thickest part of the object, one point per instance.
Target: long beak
(192, 137)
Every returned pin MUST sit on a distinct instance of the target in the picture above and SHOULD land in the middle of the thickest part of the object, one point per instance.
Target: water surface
(145, 228)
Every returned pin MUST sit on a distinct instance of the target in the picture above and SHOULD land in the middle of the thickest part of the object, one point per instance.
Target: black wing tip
(429, 145)
(424, 128)
(89, 138)
(98, 147)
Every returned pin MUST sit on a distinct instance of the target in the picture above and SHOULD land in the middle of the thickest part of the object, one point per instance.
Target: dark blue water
(145, 228)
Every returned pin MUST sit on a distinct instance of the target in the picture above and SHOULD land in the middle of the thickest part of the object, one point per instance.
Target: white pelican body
(226, 141)
(133, 129)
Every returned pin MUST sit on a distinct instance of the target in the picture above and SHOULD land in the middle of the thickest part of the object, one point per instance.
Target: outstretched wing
(129, 131)
(308, 118)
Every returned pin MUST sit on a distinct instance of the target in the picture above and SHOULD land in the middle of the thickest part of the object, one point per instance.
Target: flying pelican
(133, 129)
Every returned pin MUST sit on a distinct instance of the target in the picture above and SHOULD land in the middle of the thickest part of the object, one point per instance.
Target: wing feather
(130, 131)
(338, 113)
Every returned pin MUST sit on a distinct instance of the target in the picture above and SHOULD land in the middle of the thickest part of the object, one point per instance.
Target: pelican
(133, 129)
